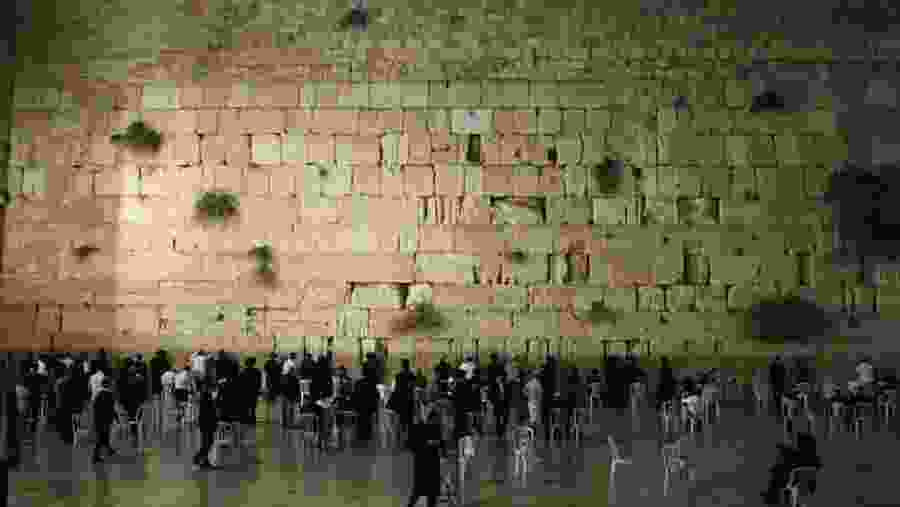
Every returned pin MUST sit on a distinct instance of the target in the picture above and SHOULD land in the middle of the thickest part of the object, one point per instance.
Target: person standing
(199, 367)
(133, 396)
(497, 394)
(365, 401)
(70, 402)
(104, 415)
(549, 391)
(667, 384)
(402, 399)
(251, 381)
(159, 364)
(208, 421)
(183, 387)
(575, 399)
(777, 379)
(290, 389)
(428, 446)
(272, 370)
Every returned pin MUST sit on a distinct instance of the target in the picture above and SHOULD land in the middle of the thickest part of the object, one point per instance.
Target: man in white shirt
(96, 383)
(468, 366)
(865, 371)
(168, 381)
(290, 364)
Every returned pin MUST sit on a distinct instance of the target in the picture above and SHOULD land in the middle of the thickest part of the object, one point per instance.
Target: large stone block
(536, 324)
(447, 268)
(565, 210)
(352, 322)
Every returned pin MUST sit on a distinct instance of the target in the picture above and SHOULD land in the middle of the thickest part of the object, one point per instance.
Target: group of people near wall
(223, 391)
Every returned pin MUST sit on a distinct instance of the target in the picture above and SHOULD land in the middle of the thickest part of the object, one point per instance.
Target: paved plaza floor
(732, 458)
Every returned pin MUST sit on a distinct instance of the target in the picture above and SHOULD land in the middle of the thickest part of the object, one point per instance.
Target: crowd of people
(221, 390)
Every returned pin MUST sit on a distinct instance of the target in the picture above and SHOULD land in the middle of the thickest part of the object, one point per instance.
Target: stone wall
(349, 152)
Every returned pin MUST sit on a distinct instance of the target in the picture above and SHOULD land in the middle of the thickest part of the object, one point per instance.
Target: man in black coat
(133, 394)
(403, 398)
(550, 388)
(70, 404)
(497, 393)
(777, 379)
(207, 422)
(159, 364)
(250, 380)
(428, 446)
(365, 402)
(272, 369)
(104, 415)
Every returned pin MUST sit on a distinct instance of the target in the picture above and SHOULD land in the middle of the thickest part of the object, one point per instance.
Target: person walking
(575, 398)
(365, 402)
(208, 421)
(428, 447)
(104, 415)
(549, 391)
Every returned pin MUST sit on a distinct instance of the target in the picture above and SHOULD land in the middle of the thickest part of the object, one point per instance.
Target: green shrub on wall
(138, 135)
(424, 317)
(218, 205)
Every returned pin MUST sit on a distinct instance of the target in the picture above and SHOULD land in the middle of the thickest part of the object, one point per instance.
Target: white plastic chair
(524, 448)
(616, 459)
(887, 405)
(80, 429)
(595, 399)
(799, 484)
(674, 462)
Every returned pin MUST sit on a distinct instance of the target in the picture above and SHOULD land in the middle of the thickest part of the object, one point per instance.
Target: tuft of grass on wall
(218, 205)
(138, 135)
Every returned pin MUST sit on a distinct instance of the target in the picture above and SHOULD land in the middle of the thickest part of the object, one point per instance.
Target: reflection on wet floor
(731, 457)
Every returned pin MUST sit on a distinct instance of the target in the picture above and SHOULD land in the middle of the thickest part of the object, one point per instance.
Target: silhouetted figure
(365, 401)
(307, 367)
(250, 380)
(777, 379)
(207, 422)
(667, 386)
(575, 398)
(159, 364)
(549, 391)
(70, 403)
(104, 415)
(497, 393)
(403, 398)
(427, 444)
(132, 397)
(803, 455)
(272, 369)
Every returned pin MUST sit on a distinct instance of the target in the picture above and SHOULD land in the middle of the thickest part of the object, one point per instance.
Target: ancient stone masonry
(591, 158)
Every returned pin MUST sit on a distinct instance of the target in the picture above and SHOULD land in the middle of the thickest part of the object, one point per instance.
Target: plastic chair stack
(616, 459)
(674, 463)
(799, 483)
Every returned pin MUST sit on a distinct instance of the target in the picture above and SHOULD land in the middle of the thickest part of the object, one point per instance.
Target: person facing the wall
(104, 415)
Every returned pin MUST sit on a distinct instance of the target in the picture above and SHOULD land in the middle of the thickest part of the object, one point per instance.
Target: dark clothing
(230, 402)
(322, 385)
(104, 415)
(777, 378)
(667, 386)
(402, 399)
(427, 443)
(207, 423)
(158, 366)
(365, 401)
(250, 381)
(466, 401)
(788, 459)
(69, 405)
(273, 378)
(307, 368)
(499, 397)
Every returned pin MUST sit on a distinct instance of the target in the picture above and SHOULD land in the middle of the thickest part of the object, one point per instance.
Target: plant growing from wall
(264, 257)
(517, 256)
(608, 176)
(600, 313)
(424, 317)
(218, 205)
(138, 135)
(5, 198)
(322, 168)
